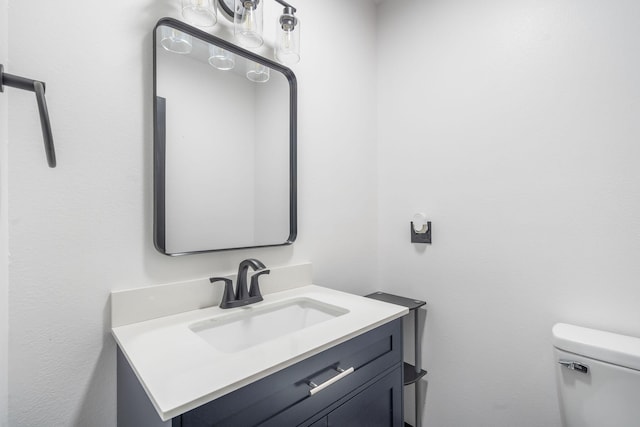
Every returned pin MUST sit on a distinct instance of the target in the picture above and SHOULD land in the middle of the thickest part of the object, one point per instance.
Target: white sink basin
(253, 325)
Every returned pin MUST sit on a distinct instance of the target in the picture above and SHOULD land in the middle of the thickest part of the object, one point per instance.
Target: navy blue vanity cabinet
(380, 404)
(369, 396)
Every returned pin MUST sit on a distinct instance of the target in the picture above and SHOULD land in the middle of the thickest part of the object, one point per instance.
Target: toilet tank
(598, 377)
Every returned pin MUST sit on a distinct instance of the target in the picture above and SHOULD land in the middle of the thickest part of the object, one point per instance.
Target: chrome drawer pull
(315, 388)
(574, 366)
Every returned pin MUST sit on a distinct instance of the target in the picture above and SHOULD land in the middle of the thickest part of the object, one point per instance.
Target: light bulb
(250, 18)
(248, 23)
(287, 40)
(288, 37)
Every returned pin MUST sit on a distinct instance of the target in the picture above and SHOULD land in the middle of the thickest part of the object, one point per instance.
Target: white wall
(4, 278)
(85, 228)
(514, 126)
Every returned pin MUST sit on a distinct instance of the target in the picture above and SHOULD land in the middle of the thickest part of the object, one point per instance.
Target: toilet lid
(622, 350)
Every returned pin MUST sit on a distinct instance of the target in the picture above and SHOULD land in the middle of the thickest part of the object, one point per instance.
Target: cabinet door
(379, 405)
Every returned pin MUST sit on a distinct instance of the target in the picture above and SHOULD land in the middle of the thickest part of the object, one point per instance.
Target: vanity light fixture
(257, 73)
(288, 37)
(247, 23)
(247, 18)
(200, 12)
(221, 58)
(175, 40)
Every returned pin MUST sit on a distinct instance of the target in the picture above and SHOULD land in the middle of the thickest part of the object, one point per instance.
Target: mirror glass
(224, 143)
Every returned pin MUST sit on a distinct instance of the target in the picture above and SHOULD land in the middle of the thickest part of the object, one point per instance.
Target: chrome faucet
(243, 295)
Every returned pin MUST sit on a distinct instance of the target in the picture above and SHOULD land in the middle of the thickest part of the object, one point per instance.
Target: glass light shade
(247, 23)
(220, 58)
(200, 12)
(175, 40)
(287, 50)
(257, 72)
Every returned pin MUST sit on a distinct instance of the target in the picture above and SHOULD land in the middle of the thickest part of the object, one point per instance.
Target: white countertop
(180, 371)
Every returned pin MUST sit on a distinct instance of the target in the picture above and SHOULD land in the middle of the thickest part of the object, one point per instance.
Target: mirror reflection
(224, 145)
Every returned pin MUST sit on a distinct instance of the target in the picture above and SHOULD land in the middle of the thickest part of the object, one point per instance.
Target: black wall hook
(38, 88)
(423, 237)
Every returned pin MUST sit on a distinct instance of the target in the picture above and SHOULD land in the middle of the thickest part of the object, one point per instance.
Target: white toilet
(598, 376)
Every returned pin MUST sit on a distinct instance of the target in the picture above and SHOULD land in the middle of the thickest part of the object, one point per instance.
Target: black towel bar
(39, 88)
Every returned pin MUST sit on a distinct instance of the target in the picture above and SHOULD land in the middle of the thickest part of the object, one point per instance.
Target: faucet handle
(254, 290)
(228, 295)
(255, 263)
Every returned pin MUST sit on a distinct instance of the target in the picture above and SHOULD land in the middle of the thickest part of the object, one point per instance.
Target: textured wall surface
(514, 126)
(85, 228)
(4, 245)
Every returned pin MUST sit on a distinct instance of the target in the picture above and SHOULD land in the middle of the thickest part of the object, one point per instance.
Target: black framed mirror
(225, 130)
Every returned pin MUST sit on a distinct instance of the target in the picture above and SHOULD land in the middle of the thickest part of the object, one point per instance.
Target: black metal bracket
(424, 237)
(229, 12)
(285, 4)
(39, 88)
